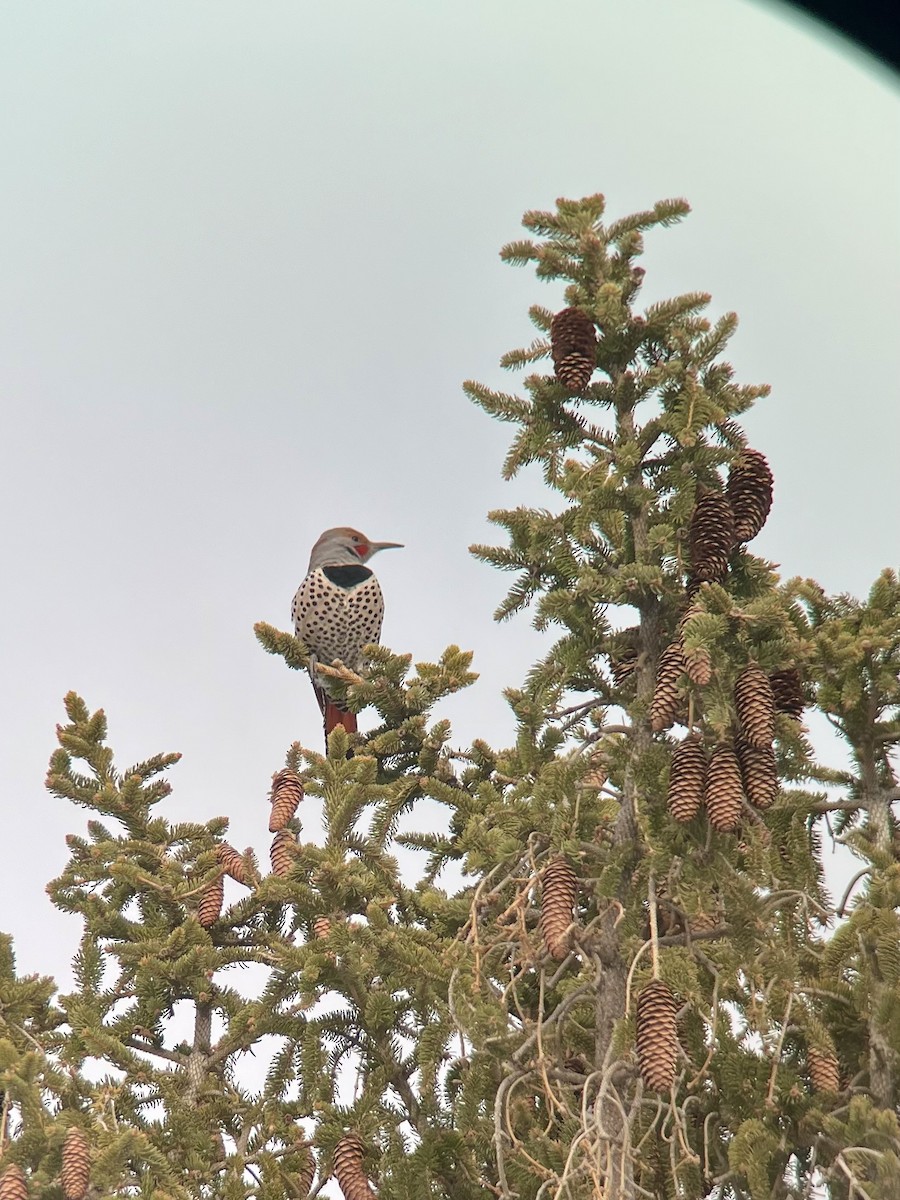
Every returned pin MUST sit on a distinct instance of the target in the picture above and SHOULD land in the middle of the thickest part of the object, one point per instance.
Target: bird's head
(345, 545)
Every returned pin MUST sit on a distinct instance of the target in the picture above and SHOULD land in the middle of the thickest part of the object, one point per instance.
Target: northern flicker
(338, 609)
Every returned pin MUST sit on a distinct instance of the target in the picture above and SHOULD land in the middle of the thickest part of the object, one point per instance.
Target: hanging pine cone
(666, 698)
(210, 907)
(758, 772)
(321, 927)
(787, 692)
(755, 706)
(711, 537)
(622, 667)
(559, 892)
(749, 490)
(573, 344)
(824, 1073)
(286, 794)
(232, 863)
(306, 1173)
(348, 1168)
(698, 665)
(76, 1164)
(657, 1035)
(13, 1185)
(280, 853)
(687, 779)
(697, 659)
(597, 774)
(724, 795)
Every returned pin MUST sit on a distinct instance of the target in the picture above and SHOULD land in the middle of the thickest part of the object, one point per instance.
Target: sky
(249, 253)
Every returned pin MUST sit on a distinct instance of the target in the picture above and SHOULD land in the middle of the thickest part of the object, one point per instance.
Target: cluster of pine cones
(657, 1044)
(745, 765)
(742, 766)
(285, 796)
(74, 1174)
(721, 521)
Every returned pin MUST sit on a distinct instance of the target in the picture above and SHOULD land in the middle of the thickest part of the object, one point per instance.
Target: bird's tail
(333, 714)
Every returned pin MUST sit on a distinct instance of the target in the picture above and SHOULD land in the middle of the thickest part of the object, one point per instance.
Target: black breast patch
(348, 576)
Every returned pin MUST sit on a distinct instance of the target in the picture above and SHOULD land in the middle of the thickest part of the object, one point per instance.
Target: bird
(338, 609)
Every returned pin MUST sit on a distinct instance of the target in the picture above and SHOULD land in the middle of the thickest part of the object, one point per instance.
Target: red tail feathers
(333, 715)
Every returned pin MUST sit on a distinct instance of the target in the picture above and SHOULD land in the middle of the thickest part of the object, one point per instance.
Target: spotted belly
(335, 621)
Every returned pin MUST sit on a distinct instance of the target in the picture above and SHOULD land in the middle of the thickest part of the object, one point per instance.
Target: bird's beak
(374, 547)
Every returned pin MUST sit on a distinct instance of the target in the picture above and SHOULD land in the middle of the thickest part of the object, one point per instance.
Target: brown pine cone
(321, 927)
(711, 537)
(697, 659)
(306, 1173)
(559, 892)
(13, 1185)
(824, 1073)
(622, 667)
(76, 1164)
(787, 691)
(724, 795)
(698, 666)
(755, 706)
(348, 1168)
(573, 344)
(657, 1036)
(666, 702)
(704, 922)
(687, 779)
(280, 853)
(232, 862)
(286, 794)
(759, 773)
(749, 490)
(210, 907)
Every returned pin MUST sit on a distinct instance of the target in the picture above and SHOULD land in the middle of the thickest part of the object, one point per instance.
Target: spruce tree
(643, 987)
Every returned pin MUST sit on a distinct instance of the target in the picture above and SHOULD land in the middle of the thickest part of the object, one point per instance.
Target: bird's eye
(355, 538)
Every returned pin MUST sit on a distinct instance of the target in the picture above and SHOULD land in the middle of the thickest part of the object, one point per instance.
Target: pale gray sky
(249, 252)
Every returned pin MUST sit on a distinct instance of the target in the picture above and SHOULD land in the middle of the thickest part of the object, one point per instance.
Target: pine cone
(724, 795)
(622, 667)
(598, 773)
(749, 490)
(787, 691)
(13, 1185)
(687, 779)
(704, 922)
(824, 1073)
(573, 344)
(280, 852)
(755, 706)
(711, 537)
(558, 895)
(210, 907)
(286, 794)
(666, 699)
(698, 665)
(758, 772)
(321, 927)
(76, 1164)
(657, 1035)
(306, 1173)
(233, 863)
(348, 1168)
